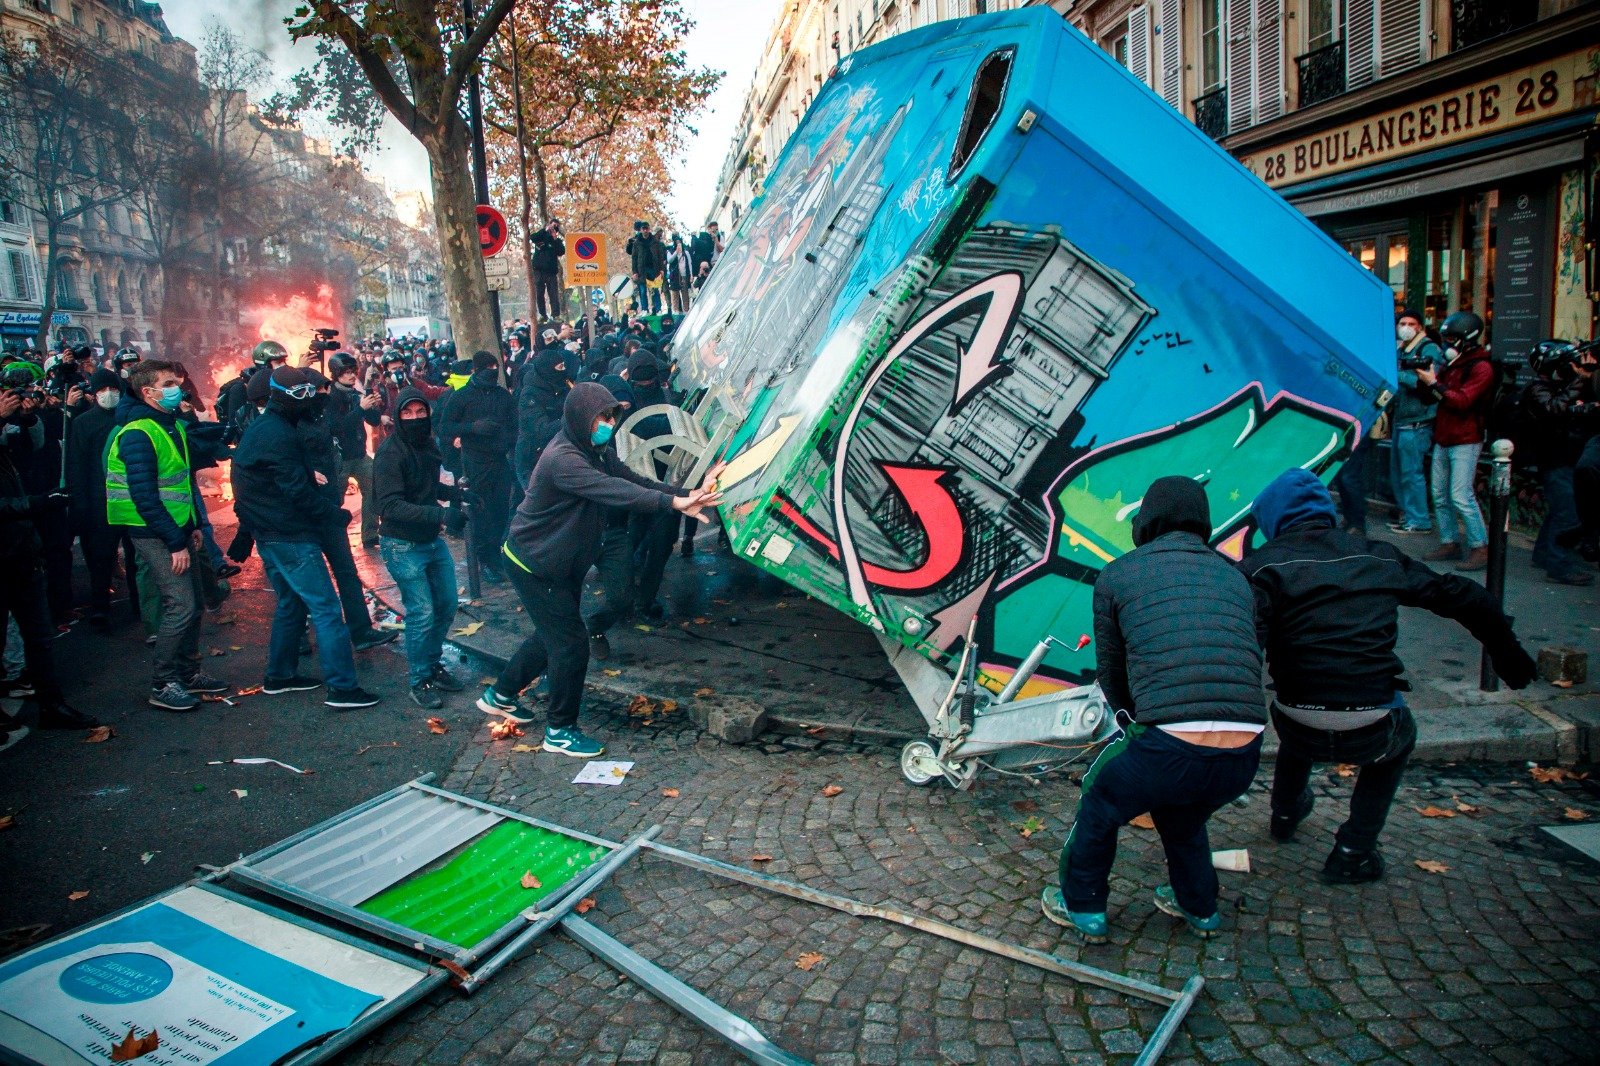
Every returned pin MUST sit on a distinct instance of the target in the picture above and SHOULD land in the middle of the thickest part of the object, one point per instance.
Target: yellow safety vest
(172, 476)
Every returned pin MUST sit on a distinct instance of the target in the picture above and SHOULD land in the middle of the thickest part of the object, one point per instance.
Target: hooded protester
(539, 405)
(278, 500)
(555, 537)
(87, 435)
(1178, 662)
(405, 475)
(1327, 611)
(483, 417)
(615, 565)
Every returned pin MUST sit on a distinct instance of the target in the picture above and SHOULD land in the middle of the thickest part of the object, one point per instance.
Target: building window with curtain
(1211, 106)
(1322, 68)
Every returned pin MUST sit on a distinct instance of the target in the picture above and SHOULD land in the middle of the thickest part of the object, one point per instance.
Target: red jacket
(1463, 391)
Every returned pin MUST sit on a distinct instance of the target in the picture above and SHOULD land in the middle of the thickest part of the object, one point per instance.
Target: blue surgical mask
(171, 397)
(602, 434)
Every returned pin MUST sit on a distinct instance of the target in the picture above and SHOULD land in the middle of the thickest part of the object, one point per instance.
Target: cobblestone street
(1495, 959)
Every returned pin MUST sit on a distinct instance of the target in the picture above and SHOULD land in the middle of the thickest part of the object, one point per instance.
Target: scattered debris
(584, 905)
(831, 791)
(530, 881)
(438, 726)
(702, 621)
(1432, 867)
(602, 773)
(704, 691)
(216, 653)
(253, 690)
(527, 747)
(1465, 808)
(612, 673)
(467, 630)
(259, 762)
(8, 821)
(816, 730)
(1236, 860)
(363, 749)
(1573, 814)
(1565, 682)
(146, 857)
(1144, 821)
(670, 793)
(1435, 812)
(134, 1046)
(809, 960)
(82, 893)
(1553, 775)
(99, 734)
(642, 629)
(241, 793)
(1029, 827)
(761, 858)
(1346, 769)
(504, 730)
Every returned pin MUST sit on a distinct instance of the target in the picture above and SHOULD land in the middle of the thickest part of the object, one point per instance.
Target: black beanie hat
(103, 379)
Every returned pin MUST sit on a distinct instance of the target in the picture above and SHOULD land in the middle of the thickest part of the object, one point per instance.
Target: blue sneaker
(573, 743)
(1204, 928)
(491, 702)
(1091, 928)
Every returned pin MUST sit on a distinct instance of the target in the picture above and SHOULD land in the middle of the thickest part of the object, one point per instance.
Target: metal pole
(469, 514)
(480, 164)
(1494, 579)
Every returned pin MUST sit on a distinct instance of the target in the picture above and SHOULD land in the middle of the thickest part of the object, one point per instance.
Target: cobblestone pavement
(1496, 959)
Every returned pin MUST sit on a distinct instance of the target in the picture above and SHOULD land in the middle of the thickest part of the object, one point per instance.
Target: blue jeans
(1561, 514)
(426, 577)
(1455, 505)
(1181, 785)
(1408, 452)
(299, 576)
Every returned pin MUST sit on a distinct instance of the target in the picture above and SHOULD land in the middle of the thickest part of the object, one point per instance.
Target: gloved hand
(241, 546)
(48, 502)
(345, 518)
(1514, 665)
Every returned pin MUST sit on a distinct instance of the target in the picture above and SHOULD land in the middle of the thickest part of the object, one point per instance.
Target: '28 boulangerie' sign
(1531, 94)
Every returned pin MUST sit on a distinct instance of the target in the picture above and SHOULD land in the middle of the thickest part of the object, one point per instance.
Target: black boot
(1284, 825)
(62, 716)
(1346, 866)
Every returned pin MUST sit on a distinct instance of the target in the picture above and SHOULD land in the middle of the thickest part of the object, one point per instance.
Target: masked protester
(277, 499)
(540, 402)
(482, 416)
(1177, 659)
(405, 475)
(555, 537)
(152, 495)
(87, 435)
(1327, 611)
(1463, 390)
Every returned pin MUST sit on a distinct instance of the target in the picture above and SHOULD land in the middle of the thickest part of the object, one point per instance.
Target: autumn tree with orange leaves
(584, 101)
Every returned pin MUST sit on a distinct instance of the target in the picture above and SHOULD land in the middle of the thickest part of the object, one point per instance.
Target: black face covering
(318, 405)
(417, 432)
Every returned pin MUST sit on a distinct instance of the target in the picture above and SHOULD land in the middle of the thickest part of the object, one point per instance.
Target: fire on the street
(290, 319)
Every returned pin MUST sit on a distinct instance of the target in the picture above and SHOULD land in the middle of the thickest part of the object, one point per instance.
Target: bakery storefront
(1465, 187)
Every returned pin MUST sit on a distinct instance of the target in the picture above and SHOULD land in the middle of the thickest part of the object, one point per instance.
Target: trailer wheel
(919, 764)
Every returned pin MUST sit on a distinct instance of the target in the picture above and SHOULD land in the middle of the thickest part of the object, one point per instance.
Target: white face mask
(107, 398)
(1407, 334)
(1452, 353)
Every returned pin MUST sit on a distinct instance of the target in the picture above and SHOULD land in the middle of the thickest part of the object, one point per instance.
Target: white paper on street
(603, 773)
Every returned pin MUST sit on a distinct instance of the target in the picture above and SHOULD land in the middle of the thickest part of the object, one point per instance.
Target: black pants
(558, 645)
(616, 574)
(1351, 485)
(1181, 785)
(1380, 749)
(55, 539)
(23, 596)
(98, 543)
(335, 543)
(652, 537)
(547, 294)
(1586, 487)
(490, 484)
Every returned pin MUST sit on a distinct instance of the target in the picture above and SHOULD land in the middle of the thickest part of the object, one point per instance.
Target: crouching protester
(407, 489)
(1327, 609)
(1177, 659)
(555, 537)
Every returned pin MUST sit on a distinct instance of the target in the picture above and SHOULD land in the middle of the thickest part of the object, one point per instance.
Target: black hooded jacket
(540, 400)
(405, 482)
(483, 416)
(274, 493)
(1174, 622)
(555, 533)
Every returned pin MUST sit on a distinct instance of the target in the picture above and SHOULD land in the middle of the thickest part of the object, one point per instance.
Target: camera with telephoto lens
(324, 341)
(1415, 362)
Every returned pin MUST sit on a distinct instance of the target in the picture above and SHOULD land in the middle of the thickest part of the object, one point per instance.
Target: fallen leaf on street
(668, 706)
(523, 747)
(617, 771)
(133, 1047)
(1554, 774)
(1345, 769)
(642, 629)
(809, 960)
(702, 621)
(670, 793)
(437, 725)
(487, 680)
(584, 905)
(241, 793)
(251, 691)
(1029, 827)
(468, 629)
(1565, 682)
(832, 790)
(1435, 812)
(1432, 867)
(504, 730)
(218, 652)
(761, 858)
(80, 894)
(612, 673)
(1573, 814)
(816, 730)
(235, 647)
(8, 821)
(707, 691)
(1464, 808)
(641, 705)
(99, 734)
(530, 881)
(1144, 821)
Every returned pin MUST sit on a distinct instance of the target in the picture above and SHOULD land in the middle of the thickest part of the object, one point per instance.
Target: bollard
(468, 512)
(1494, 578)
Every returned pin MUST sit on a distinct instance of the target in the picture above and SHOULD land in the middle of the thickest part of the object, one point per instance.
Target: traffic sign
(492, 231)
(498, 266)
(586, 258)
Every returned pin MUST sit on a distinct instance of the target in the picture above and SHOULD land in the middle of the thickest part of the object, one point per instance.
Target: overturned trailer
(993, 287)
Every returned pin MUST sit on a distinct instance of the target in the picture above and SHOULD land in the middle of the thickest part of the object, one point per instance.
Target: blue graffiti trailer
(992, 288)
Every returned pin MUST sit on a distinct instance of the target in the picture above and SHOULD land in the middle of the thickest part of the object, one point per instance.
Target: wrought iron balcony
(1476, 21)
(1321, 74)
(1211, 113)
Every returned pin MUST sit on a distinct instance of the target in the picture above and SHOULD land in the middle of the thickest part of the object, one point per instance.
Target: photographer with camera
(648, 261)
(548, 247)
(1413, 413)
(1578, 408)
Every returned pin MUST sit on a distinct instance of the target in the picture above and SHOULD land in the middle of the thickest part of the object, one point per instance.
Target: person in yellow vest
(151, 494)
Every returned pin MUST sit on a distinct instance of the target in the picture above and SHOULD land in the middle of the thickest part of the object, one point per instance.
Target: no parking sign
(586, 258)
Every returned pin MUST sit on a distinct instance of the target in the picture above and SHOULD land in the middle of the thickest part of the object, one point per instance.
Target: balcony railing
(1476, 21)
(1321, 74)
(1211, 113)
(71, 303)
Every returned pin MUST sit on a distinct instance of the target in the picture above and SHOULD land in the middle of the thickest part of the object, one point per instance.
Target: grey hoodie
(556, 531)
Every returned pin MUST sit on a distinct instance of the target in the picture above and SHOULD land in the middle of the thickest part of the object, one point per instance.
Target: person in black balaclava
(539, 406)
(277, 499)
(1177, 659)
(555, 538)
(483, 417)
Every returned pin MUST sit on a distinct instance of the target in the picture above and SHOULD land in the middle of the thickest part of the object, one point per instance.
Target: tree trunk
(522, 172)
(41, 339)
(466, 288)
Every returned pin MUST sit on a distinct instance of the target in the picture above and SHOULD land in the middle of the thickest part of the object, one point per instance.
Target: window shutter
(1269, 59)
(1139, 43)
(1360, 42)
(1400, 38)
(1169, 32)
(1239, 68)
